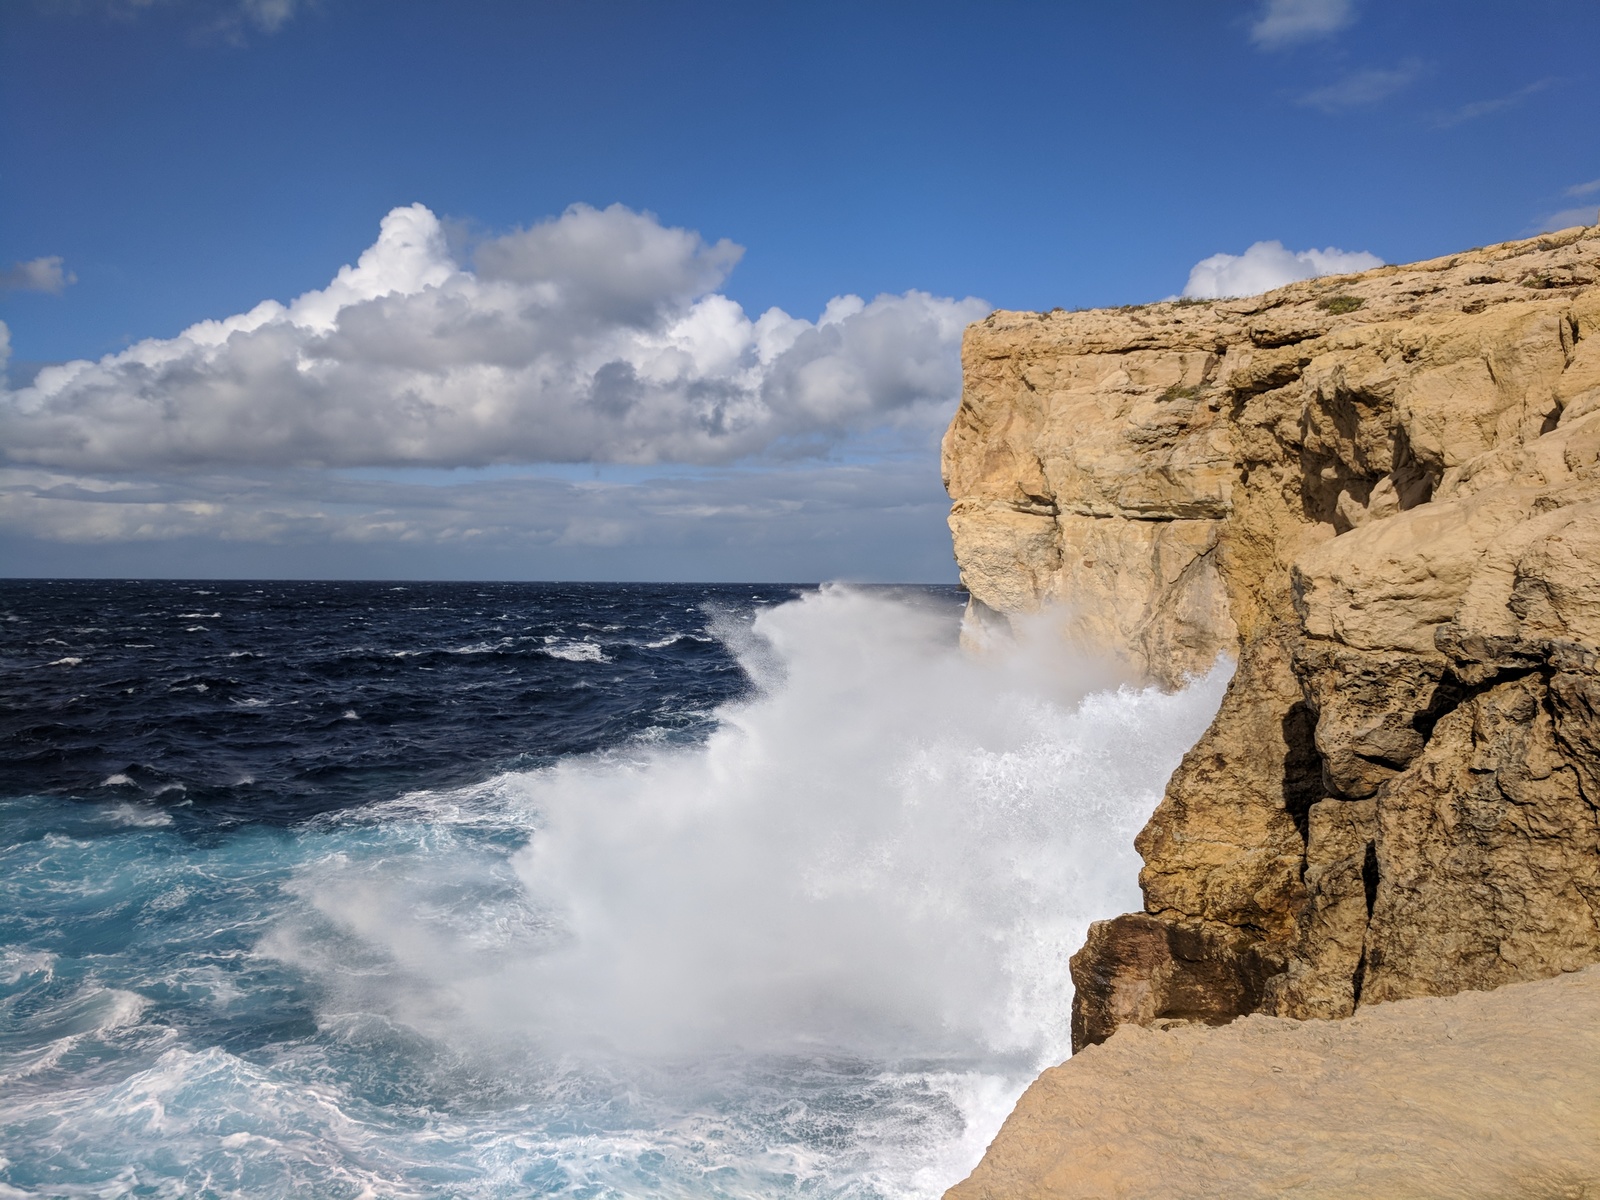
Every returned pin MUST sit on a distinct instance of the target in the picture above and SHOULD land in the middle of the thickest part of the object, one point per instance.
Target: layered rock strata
(1381, 493)
(1479, 1096)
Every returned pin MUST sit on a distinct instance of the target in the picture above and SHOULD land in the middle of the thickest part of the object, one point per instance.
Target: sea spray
(816, 950)
(885, 854)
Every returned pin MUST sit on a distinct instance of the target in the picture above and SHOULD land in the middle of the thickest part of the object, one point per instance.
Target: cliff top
(1540, 268)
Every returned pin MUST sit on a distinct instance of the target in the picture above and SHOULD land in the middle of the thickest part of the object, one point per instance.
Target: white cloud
(227, 17)
(1268, 265)
(1583, 189)
(44, 274)
(1362, 89)
(1285, 22)
(596, 336)
(267, 15)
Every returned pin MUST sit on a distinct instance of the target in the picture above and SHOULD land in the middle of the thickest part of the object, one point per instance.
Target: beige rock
(1482, 1096)
(1389, 509)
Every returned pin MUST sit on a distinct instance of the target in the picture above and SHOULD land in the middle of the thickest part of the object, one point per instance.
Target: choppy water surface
(509, 890)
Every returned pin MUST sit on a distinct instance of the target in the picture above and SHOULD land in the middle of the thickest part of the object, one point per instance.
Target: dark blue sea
(423, 889)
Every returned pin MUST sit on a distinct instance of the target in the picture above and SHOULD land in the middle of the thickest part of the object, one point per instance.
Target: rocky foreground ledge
(1482, 1096)
(1381, 494)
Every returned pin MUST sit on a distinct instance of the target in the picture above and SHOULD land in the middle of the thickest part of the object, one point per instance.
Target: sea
(521, 889)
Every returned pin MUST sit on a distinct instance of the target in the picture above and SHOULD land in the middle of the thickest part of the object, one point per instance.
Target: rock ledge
(1481, 1096)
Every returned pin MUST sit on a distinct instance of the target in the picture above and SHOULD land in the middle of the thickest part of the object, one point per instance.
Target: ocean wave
(816, 950)
(575, 651)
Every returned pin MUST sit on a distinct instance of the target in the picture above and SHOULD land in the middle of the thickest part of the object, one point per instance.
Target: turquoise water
(811, 942)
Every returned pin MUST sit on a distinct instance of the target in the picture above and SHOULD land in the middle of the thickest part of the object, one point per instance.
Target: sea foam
(883, 856)
(817, 953)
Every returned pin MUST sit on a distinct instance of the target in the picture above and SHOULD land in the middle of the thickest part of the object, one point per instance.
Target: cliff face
(1382, 493)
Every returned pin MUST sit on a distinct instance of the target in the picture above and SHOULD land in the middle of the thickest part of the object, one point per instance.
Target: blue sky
(168, 162)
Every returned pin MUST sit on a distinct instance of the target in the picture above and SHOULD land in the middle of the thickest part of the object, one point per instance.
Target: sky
(525, 289)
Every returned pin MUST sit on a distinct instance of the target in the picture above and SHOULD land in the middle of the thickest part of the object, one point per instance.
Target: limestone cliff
(1478, 1096)
(1381, 492)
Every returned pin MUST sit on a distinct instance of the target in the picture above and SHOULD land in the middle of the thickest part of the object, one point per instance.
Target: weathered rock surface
(1381, 492)
(1479, 1096)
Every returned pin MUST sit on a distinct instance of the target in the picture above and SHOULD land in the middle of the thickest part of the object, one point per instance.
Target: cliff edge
(1381, 492)
(1481, 1096)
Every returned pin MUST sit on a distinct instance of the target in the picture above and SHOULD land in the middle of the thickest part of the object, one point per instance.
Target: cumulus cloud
(597, 336)
(1267, 265)
(44, 274)
(1363, 89)
(1286, 22)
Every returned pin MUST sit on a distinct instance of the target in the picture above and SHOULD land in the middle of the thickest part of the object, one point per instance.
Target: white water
(818, 956)
(859, 896)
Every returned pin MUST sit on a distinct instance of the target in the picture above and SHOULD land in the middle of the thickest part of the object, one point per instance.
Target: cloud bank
(597, 336)
(1268, 265)
(806, 520)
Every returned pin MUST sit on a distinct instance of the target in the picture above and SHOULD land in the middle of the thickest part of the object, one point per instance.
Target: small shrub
(1341, 304)
(1179, 392)
(1191, 301)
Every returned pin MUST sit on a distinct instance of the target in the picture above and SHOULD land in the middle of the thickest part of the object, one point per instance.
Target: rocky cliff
(1381, 493)
(1479, 1096)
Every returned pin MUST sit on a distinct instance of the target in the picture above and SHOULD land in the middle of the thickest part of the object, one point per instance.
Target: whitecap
(16, 964)
(674, 639)
(117, 780)
(136, 817)
(59, 1028)
(69, 661)
(481, 647)
(574, 651)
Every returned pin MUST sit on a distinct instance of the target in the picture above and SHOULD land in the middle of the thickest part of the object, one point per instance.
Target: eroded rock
(1380, 492)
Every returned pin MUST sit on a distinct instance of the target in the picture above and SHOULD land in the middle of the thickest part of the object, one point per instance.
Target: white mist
(887, 853)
